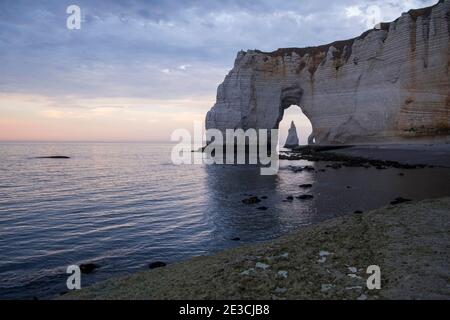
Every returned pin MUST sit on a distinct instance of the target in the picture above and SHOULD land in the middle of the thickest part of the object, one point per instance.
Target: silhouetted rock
(156, 264)
(251, 200)
(400, 200)
(334, 166)
(262, 208)
(292, 139)
(87, 268)
(53, 157)
(305, 197)
(236, 239)
(305, 186)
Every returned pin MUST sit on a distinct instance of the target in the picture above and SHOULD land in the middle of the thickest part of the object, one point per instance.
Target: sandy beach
(409, 242)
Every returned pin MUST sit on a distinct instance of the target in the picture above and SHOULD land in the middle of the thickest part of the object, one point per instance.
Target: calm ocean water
(125, 205)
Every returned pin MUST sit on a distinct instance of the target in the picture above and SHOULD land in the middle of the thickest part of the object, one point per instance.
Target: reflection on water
(125, 205)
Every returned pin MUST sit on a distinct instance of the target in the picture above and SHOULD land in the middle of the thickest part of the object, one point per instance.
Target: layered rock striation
(390, 84)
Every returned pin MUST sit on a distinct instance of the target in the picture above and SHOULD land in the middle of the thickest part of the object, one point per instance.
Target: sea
(125, 205)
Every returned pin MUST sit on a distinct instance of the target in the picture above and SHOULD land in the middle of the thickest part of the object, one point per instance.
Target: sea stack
(292, 139)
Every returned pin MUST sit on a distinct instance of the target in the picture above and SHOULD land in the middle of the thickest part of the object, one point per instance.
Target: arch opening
(302, 123)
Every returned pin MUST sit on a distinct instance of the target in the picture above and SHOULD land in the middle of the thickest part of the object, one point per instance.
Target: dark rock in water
(322, 170)
(358, 212)
(349, 187)
(399, 200)
(53, 157)
(296, 169)
(334, 166)
(290, 198)
(309, 168)
(381, 168)
(264, 197)
(236, 239)
(262, 208)
(306, 186)
(87, 268)
(251, 200)
(156, 264)
(305, 197)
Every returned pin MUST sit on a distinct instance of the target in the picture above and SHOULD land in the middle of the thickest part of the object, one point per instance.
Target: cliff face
(390, 84)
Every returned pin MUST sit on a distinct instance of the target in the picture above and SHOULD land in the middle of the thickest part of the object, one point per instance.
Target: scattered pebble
(326, 287)
(362, 297)
(324, 253)
(354, 276)
(354, 288)
(263, 266)
(284, 255)
(280, 290)
(353, 269)
(282, 274)
(322, 260)
(248, 272)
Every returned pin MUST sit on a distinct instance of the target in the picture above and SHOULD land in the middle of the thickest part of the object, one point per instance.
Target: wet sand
(409, 242)
(428, 154)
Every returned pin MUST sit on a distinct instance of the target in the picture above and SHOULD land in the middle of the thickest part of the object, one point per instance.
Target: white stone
(280, 290)
(362, 297)
(248, 272)
(326, 287)
(354, 288)
(324, 253)
(282, 274)
(263, 266)
(354, 276)
(322, 260)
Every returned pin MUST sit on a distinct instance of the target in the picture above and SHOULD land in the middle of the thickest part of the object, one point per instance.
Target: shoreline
(328, 260)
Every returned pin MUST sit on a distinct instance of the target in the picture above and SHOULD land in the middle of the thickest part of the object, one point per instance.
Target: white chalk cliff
(292, 139)
(389, 84)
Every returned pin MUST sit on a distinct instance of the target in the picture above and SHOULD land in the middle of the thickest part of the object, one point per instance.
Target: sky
(137, 70)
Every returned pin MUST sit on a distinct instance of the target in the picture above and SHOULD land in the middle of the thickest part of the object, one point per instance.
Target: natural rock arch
(390, 84)
(293, 97)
